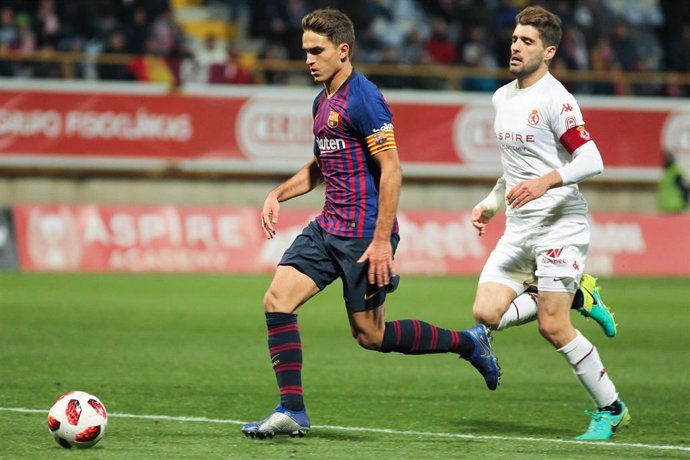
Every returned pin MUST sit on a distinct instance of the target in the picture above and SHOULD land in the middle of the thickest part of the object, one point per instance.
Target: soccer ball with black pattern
(77, 419)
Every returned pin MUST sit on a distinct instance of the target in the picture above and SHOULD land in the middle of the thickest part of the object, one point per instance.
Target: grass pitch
(180, 360)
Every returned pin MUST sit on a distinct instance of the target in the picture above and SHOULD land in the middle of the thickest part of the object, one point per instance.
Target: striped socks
(285, 348)
(414, 337)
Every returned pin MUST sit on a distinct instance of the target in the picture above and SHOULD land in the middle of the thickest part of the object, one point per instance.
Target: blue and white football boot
(281, 421)
(482, 358)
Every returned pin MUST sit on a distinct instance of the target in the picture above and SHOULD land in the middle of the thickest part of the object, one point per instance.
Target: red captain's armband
(574, 138)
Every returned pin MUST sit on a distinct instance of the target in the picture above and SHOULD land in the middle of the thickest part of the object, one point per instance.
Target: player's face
(324, 58)
(527, 51)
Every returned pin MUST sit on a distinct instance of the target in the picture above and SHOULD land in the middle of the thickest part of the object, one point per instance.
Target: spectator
(166, 32)
(26, 42)
(46, 68)
(679, 51)
(623, 46)
(389, 55)
(151, 66)
(439, 46)
(604, 58)
(137, 31)
(110, 71)
(47, 23)
(673, 191)
(414, 50)
(597, 36)
(236, 71)
(8, 29)
(476, 54)
(26, 37)
(269, 23)
(273, 52)
(212, 51)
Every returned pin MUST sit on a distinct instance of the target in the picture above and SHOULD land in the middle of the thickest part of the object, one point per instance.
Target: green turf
(195, 346)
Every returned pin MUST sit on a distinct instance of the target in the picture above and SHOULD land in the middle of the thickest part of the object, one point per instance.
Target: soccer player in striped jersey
(355, 236)
(545, 151)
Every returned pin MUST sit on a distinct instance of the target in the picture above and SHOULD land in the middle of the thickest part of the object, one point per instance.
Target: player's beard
(528, 67)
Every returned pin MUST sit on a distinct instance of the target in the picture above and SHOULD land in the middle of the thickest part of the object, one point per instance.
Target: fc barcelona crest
(333, 119)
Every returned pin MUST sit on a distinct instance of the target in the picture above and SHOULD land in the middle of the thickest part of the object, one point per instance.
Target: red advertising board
(216, 239)
(257, 126)
(104, 125)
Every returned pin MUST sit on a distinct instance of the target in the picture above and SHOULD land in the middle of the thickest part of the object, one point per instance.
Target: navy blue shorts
(324, 257)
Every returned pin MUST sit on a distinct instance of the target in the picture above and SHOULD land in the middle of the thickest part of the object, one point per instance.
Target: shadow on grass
(337, 435)
(482, 427)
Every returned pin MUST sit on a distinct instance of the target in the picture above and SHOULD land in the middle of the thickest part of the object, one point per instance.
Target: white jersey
(529, 126)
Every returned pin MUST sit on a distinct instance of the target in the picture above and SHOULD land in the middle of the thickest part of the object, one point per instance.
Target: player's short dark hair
(331, 23)
(547, 23)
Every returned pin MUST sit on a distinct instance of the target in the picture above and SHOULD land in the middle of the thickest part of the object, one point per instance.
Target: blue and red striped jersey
(350, 127)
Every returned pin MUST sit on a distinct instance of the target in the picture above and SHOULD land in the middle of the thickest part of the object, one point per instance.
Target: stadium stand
(636, 47)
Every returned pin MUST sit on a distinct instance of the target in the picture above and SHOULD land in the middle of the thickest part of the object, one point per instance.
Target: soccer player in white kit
(545, 151)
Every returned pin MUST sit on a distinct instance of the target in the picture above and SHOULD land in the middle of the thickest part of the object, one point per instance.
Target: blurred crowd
(607, 35)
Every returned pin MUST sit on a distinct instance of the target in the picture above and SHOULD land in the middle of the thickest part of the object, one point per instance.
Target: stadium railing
(452, 76)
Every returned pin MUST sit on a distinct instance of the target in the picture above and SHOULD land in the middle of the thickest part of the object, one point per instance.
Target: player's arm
(586, 163)
(380, 252)
(487, 208)
(304, 180)
(565, 121)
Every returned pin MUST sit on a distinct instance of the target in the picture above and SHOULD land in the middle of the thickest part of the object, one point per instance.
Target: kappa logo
(566, 108)
(533, 118)
(554, 253)
(602, 373)
(333, 118)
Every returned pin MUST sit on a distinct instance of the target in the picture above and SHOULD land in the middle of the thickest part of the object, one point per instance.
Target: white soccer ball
(77, 419)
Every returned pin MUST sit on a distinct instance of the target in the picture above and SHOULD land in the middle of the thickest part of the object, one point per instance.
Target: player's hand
(480, 218)
(381, 265)
(526, 191)
(269, 216)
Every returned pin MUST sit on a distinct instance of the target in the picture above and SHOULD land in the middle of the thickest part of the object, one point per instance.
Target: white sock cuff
(577, 349)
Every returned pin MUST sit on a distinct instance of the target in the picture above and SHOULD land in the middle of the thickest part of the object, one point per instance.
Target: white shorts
(552, 257)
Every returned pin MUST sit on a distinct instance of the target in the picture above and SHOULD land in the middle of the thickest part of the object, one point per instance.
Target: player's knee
(553, 331)
(269, 301)
(487, 316)
(272, 303)
(368, 340)
(546, 332)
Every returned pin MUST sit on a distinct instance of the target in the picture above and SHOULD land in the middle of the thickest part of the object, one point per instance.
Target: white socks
(584, 359)
(522, 310)
(580, 353)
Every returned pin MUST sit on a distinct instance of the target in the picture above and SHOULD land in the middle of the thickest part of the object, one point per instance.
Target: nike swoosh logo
(487, 350)
(369, 296)
(594, 299)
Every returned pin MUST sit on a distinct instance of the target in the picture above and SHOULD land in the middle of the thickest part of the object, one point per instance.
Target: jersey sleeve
(567, 122)
(371, 117)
